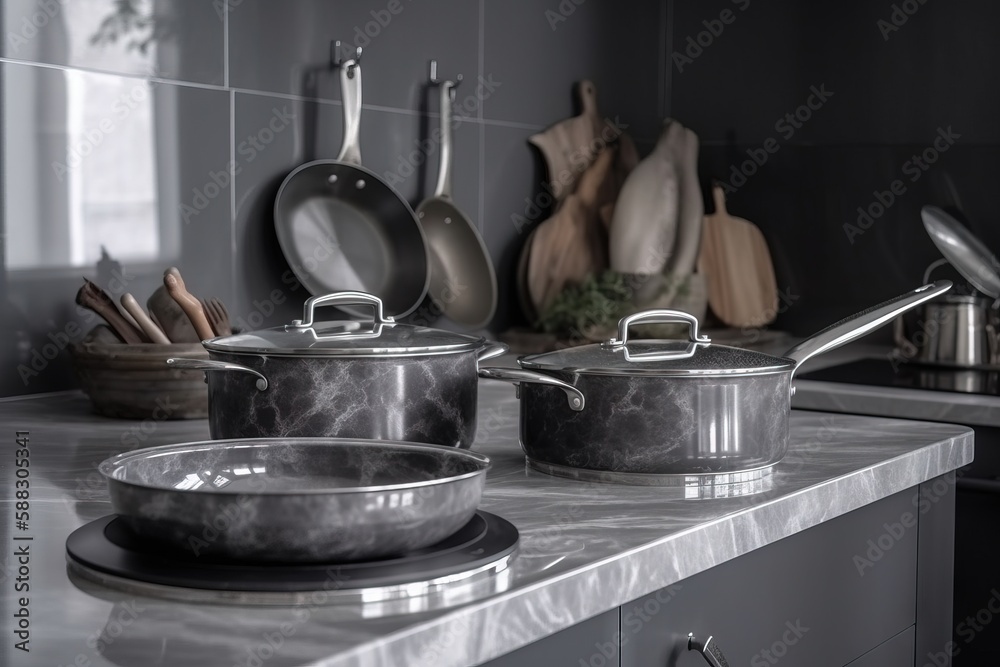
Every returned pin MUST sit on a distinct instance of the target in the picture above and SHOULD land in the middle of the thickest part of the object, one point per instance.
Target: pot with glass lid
(358, 378)
(651, 411)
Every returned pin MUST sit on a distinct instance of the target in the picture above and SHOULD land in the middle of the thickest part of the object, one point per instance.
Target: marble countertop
(585, 548)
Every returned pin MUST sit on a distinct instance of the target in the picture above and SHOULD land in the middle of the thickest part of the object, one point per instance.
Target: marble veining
(585, 547)
(419, 399)
(659, 425)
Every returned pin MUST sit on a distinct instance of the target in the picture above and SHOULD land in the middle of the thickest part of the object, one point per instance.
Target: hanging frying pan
(463, 283)
(342, 228)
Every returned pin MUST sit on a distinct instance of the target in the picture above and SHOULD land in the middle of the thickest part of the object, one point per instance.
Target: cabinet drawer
(820, 598)
(571, 647)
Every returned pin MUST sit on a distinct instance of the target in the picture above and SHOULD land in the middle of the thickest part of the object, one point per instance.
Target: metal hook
(435, 81)
(336, 60)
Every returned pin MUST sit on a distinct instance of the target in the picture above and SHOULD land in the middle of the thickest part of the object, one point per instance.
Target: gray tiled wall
(244, 86)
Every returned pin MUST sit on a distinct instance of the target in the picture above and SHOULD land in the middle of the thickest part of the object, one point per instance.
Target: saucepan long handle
(863, 323)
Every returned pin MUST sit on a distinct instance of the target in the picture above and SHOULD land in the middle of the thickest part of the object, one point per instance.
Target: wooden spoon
(189, 304)
(88, 299)
(133, 308)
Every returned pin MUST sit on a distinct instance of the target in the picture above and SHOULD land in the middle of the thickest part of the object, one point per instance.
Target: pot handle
(207, 365)
(657, 316)
(341, 299)
(350, 86)
(490, 351)
(516, 376)
(863, 323)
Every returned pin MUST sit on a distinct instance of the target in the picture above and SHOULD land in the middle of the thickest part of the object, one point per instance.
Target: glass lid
(620, 356)
(380, 336)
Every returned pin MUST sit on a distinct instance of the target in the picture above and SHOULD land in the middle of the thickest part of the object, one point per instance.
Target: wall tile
(271, 44)
(183, 41)
(513, 177)
(537, 53)
(896, 90)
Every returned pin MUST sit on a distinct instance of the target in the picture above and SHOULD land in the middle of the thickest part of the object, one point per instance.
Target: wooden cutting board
(742, 290)
(569, 146)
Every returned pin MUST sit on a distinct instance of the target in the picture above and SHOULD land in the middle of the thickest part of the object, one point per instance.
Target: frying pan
(342, 228)
(295, 499)
(463, 283)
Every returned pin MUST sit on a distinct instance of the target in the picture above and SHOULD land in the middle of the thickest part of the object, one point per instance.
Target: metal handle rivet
(360, 185)
(331, 179)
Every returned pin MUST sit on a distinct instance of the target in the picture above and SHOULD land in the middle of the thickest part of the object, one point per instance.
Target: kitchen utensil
(290, 500)
(571, 244)
(167, 315)
(190, 305)
(153, 332)
(570, 146)
(691, 212)
(217, 316)
(341, 227)
(742, 289)
(644, 223)
(462, 282)
(963, 250)
(354, 379)
(660, 412)
(93, 297)
(133, 381)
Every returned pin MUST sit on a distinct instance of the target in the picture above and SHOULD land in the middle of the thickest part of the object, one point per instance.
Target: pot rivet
(331, 179)
(360, 185)
(576, 402)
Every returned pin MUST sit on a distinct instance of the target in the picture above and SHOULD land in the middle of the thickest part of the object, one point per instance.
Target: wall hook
(436, 81)
(338, 60)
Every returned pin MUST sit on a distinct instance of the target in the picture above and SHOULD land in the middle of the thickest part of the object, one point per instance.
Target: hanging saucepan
(658, 412)
(341, 227)
(372, 379)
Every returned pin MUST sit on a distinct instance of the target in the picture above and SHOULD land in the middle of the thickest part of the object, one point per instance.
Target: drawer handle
(708, 650)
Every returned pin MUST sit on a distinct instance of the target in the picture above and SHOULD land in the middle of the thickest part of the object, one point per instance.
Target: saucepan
(356, 378)
(659, 412)
(296, 500)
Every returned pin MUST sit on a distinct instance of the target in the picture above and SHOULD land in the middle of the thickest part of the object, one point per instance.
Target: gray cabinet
(820, 598)
(871, 587)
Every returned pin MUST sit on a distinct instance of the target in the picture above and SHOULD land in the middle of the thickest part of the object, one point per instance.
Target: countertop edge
(490, 628)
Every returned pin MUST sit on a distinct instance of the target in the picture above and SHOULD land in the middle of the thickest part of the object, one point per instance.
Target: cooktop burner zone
(467, 566)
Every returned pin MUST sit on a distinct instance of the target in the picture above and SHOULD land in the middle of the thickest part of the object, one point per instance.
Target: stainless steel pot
(955, 330)
(293, 500)
(374, 379)
(660, 412)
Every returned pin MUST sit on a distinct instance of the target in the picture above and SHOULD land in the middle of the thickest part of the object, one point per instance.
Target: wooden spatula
(742, 290)
(188, 303)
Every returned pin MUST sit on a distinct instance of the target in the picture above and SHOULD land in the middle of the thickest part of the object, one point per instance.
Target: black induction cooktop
(892, 372)
(107, 547)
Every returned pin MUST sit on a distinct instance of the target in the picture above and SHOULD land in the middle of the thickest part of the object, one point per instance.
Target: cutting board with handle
(734, 258)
